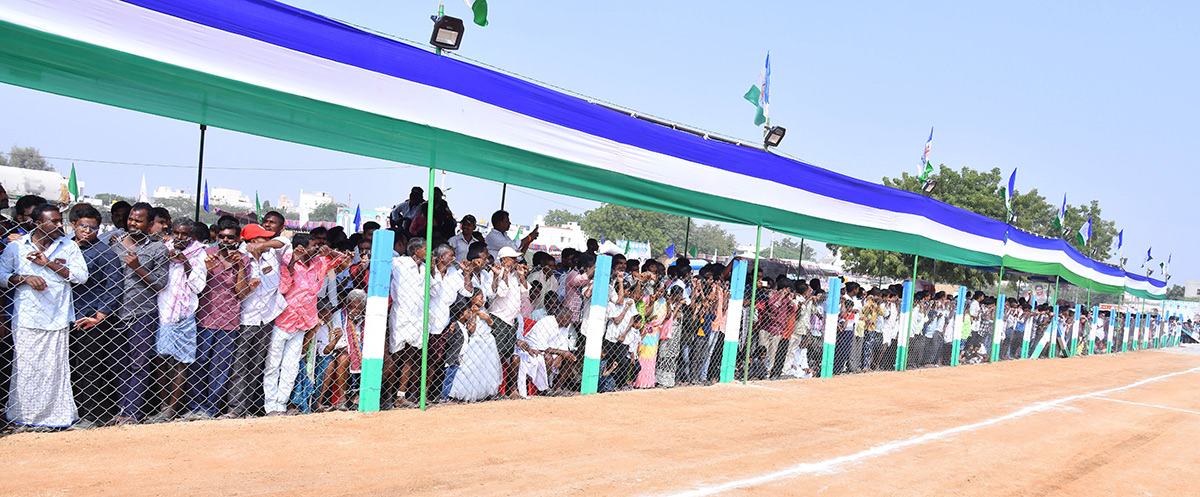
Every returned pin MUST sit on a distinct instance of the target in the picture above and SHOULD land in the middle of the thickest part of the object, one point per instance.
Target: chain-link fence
(170, 320)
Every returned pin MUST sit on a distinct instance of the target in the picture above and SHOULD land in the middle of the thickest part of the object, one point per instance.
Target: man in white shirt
(498, 237)
(445, 286)
(508, 286)
(42, 266)
(405, 318)
(543, 351)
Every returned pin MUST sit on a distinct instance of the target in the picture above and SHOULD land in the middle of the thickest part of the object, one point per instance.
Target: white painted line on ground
(829, 465)
(1146, 405)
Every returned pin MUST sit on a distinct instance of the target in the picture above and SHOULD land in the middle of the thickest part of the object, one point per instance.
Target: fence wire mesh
(165, 321)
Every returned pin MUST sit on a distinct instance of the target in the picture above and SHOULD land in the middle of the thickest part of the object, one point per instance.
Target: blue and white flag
(358, 218)
(671, 251)
(926, 167)
(206, 196)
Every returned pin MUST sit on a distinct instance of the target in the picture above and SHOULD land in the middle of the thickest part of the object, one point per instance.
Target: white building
(166, 192)
(310, 201)
(229, 196)
(285, 203)
(553, 239)
(1191, 289)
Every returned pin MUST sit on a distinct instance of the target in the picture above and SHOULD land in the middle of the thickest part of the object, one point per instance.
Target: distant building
(285, 203)
(552, 239)
(166, 192)
(230, 197)
(310, 201)
(1192, 289)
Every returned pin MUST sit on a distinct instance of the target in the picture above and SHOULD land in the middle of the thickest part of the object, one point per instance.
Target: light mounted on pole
(447, 32)
(928, 187)
(774, 136)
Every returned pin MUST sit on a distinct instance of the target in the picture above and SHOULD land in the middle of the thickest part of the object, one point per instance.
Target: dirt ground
(687, 441)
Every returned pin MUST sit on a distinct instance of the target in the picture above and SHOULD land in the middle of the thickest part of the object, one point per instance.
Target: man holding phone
(498, 237)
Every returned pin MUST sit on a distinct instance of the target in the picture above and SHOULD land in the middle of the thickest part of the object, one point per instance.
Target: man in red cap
(260, 307)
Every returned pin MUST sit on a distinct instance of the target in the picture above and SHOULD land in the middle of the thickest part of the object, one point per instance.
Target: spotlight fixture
(774, 136)
(929, 186)
(447, 32)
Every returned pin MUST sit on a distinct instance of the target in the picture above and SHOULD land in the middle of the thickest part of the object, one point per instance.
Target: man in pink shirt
(301, 279)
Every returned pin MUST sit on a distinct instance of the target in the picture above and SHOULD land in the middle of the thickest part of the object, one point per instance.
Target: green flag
(754, 95)
(73, 185)
(257, 204)
(694, 252)
(925, 174)
(626, 247)
(479, 8)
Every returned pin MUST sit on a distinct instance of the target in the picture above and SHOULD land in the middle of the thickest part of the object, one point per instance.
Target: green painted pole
(428, 280)
(753, 295)
(687, 232)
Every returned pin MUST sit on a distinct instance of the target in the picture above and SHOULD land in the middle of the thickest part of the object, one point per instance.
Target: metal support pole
(428, 280)
(753, 295)
(503, 195)
(200, 172)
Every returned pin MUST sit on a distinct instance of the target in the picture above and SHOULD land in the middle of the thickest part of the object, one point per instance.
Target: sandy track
(670, 441)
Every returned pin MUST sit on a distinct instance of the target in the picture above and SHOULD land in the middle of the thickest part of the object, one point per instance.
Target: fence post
(998, 332)
(1054, 327)
(375, 320)
(1092, 330)
(1112, 330)
(957, 327)
(733, 321)
(1026, 337)
(833, 306)
(1075, 330)
(594, 331)
(1125, 332)
(906, 303)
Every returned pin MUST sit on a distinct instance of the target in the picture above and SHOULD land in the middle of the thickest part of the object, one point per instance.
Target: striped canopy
(268, 69)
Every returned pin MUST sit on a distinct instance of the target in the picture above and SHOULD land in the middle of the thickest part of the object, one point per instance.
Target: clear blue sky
(1092, 99)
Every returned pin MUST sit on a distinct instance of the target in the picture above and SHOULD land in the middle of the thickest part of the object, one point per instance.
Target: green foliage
(560, 217)
(326, 213)
(789, 248)
(25, 158)
(661, 230)
(981, 192)
(1176, 292)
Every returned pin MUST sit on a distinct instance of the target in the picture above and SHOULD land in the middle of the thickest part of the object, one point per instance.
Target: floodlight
(447, 32)
(774, 136)
(929, 186)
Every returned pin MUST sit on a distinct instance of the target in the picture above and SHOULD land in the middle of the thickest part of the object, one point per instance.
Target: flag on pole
(760, 95)
(1061, 217)
(357, 218)
(257, 204)
(671, 251)
(73, 185)
(626, 252)
(480, 9)
(1008, 192)
(142, 197)
(927, 168)
(694, 252)
(1148, 257)
(1085, 233)
(206, 196)
(1120, 239)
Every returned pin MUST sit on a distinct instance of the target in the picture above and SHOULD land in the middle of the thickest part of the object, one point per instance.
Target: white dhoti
(532, 367)
(40, 388)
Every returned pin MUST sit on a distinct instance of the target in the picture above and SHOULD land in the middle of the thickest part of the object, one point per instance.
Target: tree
(325, 213)
(710, 238)
(661, 230)
(980, 192)
(27, 158)
(1176, 292)
(789, 248)
(560, 217)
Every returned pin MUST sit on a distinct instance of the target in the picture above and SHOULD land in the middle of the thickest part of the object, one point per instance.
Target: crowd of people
(160, 319)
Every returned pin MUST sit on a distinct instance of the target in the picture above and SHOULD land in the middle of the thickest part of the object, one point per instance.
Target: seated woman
(472, 361)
